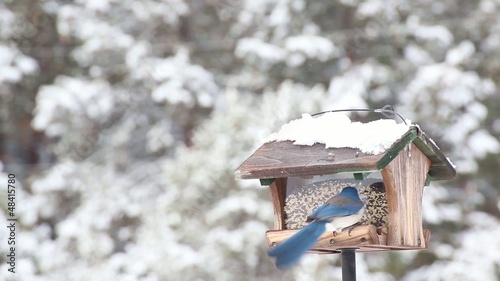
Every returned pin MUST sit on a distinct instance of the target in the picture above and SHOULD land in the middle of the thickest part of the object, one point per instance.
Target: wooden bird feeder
(294, 173)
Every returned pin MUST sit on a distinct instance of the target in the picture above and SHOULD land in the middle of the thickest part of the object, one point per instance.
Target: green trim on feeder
(426, 147)
(428, 180)
(399, 146)
(361, 176)
(441, 167)
(266, 182)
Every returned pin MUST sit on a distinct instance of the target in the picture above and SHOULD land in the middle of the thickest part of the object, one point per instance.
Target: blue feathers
(344, 204)
(344, 209)
(289, 252)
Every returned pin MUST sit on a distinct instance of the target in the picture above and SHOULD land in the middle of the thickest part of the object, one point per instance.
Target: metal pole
(348, 264)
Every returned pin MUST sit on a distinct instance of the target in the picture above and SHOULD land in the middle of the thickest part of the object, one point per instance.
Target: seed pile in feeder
(305, 199)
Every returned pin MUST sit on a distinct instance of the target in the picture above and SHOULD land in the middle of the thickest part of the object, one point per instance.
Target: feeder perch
(391, 183)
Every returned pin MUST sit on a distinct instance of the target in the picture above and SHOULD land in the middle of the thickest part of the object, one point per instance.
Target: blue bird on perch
(342, 210)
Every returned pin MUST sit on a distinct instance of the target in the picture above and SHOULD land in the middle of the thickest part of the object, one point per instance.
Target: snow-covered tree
(125, 121)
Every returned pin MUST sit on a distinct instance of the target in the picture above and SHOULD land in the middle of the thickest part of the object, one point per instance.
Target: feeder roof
(287, 155)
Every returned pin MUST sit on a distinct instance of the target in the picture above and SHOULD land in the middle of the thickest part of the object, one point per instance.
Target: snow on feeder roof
(336, 130)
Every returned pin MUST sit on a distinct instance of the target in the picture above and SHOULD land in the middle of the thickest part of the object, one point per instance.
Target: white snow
(181, 82)
(482, 143)
(259, 48)
(312, 46)
(436, 33)
(137, 53)
(10, 74)
(70, 98)
(280, 15)
(336, 130)
(6, 55)
(7, 19)
(26, 64)
(417, 55)
(97, 5)
(461, 53)
(370, 8)
(13, 65)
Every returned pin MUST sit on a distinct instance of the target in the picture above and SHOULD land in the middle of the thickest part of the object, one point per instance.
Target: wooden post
(404, 179)
(278, 193)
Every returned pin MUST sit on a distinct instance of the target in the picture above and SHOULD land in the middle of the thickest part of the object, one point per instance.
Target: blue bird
(342, 210)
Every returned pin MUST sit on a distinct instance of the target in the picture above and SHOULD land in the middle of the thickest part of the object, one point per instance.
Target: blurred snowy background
(125, 120)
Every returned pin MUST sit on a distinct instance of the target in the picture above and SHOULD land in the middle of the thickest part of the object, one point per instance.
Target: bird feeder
(390, 181)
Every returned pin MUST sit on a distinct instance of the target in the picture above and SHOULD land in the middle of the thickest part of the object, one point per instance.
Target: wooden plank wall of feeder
(404, 180)
(278, 193)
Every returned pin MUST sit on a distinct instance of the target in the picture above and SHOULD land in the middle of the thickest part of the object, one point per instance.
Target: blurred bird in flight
(342, 210)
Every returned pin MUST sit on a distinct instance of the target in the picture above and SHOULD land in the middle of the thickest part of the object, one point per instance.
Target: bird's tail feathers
(289, 252)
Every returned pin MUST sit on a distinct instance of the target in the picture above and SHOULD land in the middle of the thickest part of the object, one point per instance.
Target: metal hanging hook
(387, 111)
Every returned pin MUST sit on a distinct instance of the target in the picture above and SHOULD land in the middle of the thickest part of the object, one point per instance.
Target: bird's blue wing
(337, 206)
